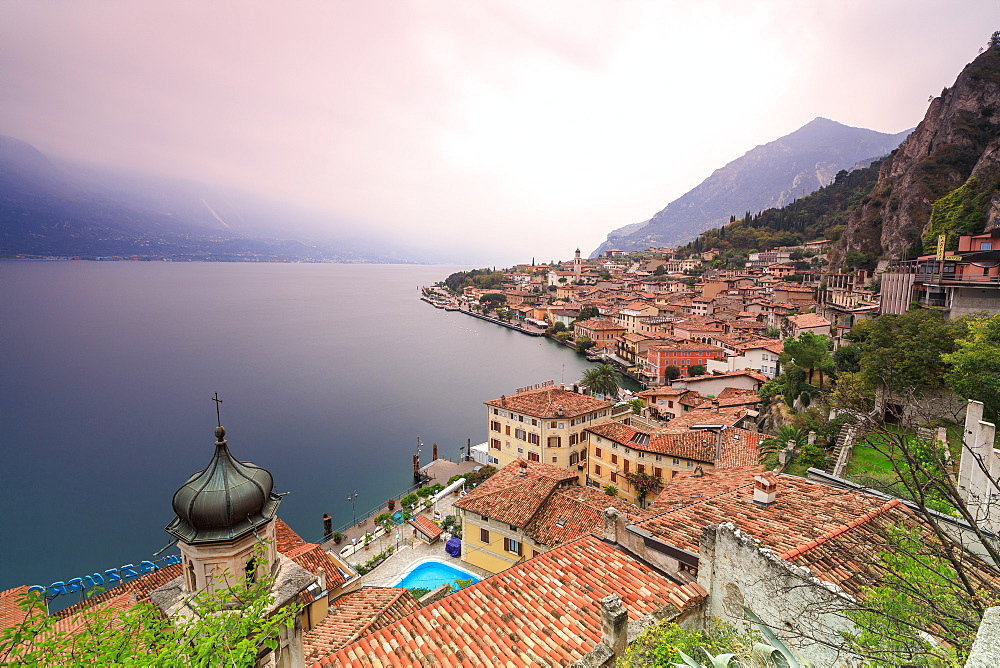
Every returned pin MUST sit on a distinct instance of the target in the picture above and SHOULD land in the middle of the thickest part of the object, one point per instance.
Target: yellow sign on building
(940, 248)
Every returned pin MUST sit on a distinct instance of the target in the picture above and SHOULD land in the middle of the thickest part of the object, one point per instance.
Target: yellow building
(626, 457)
(546, 425)
(528, 508)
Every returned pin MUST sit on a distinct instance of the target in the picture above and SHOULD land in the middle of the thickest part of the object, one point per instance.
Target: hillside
(53, 209)
(768, 176)
(954, 150)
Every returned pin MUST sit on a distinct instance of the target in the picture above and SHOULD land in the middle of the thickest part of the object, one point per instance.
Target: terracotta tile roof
(141, 587)
(512, 498)
(756, 375)
(688, 345)
(355, 615)
(426, 527)
(737, 393)
(599, 325)
(809, 320)
(729, 415)
(804, 511)
(662, 391)
(573, 512)
(694, 487)
(312, 557)
(739, 446)
(544, 612)
(10, 613)
(284, 537)
(549, 403)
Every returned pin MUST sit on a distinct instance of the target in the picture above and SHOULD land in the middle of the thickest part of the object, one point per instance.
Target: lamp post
(351, 498)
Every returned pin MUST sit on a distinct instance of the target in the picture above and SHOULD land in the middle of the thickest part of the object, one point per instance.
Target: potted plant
(368, 540)
(391, 504)
(337, 537)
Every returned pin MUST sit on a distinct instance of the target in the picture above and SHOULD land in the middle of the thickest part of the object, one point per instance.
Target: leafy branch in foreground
(227, 627)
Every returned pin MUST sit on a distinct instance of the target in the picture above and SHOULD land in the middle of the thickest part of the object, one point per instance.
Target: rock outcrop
(958, 138)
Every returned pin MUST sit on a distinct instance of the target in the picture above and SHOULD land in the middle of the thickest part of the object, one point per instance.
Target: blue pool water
(397, 517)
(431, 574)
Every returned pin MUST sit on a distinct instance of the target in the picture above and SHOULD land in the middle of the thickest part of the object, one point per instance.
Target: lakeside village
(757, 497)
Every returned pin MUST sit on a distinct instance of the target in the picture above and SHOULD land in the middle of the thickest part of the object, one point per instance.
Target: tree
(611, 490)
(697, 370)
(584, 343)
(602, 379)
(671, 372)
(812, 352)
(785, 434)
(902, 353)
(975, 365)
(644, 485)
(588, 312)
(228, 627)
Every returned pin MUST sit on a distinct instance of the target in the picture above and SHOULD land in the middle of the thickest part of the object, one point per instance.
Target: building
(627, 456)
(545, 425)
(604, 332)
(682, 355)
(965, 281)
(227, 528)
(525, 509)
(760, 355)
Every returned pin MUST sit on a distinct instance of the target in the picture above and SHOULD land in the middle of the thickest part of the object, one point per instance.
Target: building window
(484, 518)
(573, 458)
(496, 412)
(484, 536)
(507, 430)
(597, 452)
(597, 469)
(690, 464)
(494, 425)
(533, 457)
(512, 527)
(614, 477)
(495, 443)
(520, 451)
(553, 460)
(555, 441)
(511, 545)
(658, 472)
(675, 461)
(534, 422)
(641, 469)
(614, 459)
(521, 434)
(552, 425)
(626, 463)
(574, 439)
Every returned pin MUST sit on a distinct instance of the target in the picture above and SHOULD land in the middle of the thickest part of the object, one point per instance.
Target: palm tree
(786, 434)
(602, 379)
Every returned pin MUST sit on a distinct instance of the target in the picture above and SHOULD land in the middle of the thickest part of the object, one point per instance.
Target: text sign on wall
(111, 576)
(536, 386)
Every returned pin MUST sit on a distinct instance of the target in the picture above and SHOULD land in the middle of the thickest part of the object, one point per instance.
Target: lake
(328, 373)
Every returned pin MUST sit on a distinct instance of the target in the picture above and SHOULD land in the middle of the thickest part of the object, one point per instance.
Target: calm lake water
(328, 374)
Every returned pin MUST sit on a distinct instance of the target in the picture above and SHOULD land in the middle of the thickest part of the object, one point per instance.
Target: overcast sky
(502, 129)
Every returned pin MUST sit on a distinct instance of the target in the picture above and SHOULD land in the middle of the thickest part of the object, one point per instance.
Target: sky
(494, 130)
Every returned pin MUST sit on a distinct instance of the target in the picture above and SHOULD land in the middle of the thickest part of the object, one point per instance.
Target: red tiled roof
(285, 537)
(512, 498)
(10, 613)
(804, 511)
(544, 612)
(549, 403)
(425, 526)
(355, 615)
(739, 446)
(809, 320)
(312, 557)
(573, 512)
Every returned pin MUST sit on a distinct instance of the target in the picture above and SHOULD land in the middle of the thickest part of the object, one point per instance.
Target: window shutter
(484, 536)
(520, 549)
(506, 544)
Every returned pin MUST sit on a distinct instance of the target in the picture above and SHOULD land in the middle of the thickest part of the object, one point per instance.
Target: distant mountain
(50, 208)
(768, 176)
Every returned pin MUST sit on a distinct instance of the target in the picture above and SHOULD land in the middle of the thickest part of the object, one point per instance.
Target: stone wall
(802, 611)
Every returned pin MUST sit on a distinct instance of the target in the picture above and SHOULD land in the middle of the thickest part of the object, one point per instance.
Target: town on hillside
(803, 481)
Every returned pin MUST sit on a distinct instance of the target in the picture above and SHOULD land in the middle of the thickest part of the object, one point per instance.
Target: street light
(351, 498)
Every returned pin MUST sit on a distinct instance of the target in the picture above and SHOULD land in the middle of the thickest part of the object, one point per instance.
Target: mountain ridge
(769, 175)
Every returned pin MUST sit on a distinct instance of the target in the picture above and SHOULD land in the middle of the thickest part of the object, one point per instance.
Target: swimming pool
(432, 573)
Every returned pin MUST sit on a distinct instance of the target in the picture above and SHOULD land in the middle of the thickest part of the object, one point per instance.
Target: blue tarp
(454, 547)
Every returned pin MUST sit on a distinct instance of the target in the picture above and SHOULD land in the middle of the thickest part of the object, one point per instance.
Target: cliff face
(958, 138)
(771, 175)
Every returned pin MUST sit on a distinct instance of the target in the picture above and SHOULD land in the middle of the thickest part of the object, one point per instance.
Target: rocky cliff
(958, 139)
(769, 176)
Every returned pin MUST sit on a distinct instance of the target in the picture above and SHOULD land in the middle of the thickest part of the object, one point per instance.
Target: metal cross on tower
(218, 416)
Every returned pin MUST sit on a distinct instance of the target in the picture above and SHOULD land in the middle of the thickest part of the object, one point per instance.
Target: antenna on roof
(218, 416)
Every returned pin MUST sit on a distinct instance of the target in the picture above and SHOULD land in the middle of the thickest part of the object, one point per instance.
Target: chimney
(327, 527)
(718, 446)
(523, 467)
(434, 456)
(503, 400)
(559, 410)
(416, 467)
(611, 516)
(715, 405)
(765, 489)
(698, 471)
(614, 624)
(321, 577)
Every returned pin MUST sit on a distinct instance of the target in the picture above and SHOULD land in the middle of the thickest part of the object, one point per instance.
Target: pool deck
(410, 550)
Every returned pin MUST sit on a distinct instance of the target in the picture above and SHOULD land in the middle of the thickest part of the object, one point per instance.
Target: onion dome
(226, 501)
